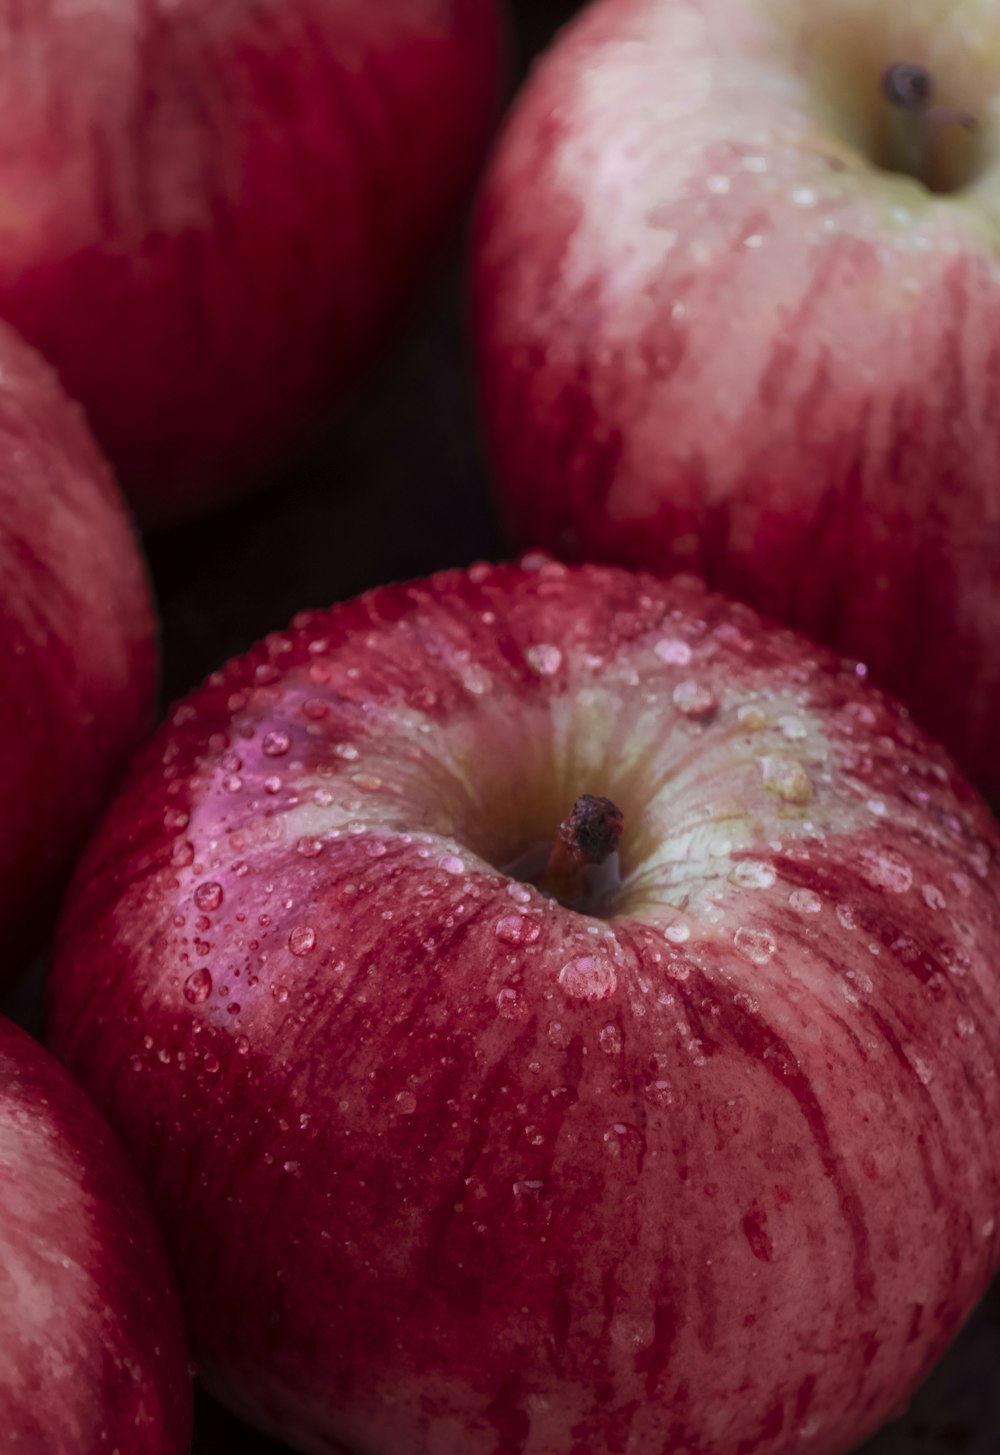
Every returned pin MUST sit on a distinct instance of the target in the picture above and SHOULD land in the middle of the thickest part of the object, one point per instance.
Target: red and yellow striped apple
(77, 642)
(698, 1149)
(214, 212)
(738, 312)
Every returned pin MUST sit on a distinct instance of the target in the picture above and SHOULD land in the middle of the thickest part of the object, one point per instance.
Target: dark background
(398, 488)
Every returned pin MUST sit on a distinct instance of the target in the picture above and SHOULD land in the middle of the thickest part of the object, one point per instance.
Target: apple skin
(78, 650)
(92, 1353)
(214, 213)
(713, 337)
(448, 1169)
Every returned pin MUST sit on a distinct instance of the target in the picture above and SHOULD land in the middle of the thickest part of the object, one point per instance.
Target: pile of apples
(545, 1008)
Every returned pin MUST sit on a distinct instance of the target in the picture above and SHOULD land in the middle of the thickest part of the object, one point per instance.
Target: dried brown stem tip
(909, 89)
(907, 86)
(589, 836)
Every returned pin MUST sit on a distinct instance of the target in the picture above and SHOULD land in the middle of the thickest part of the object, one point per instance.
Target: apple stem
(587, 837)
(909, 90)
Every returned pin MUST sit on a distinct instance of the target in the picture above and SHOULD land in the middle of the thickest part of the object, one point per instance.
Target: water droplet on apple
(923, 1069)
(198, 986)
(792, 727)
(558, 1035)
(302, 940)
(309, 847)
(175, 819)
(756, 945)
(631, 1332)
(517, 929)
(406, 1103)
(845, 916)
(347, 751)
(369, 782)
(545, 659)
(232, 783)
(510, 1005)
(276, 744)
(208, 897)
(531, 1206)
(965, 1026)
(211, 1063)
(673, 651)
(804, 901)
(695, 701)
(476, 680)
(678, 933)
(610, 1040)
(659, 1092)
(786, 779)
(182, 854)
(451, 864)
(933, 897)
(753, 874)
(588, 978)
(624, 1141)
(752, 718)
(886, 869)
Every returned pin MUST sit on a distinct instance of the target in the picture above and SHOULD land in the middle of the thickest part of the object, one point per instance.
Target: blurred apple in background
(77, 642)
(737, 296)
(697, 1148)
(92, 1357)
(213, 213)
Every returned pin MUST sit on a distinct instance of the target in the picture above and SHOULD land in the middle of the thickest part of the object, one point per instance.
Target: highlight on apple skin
(737, 300)
(708, 1161)
(92, 1354)
(214, 213)
(78, 647)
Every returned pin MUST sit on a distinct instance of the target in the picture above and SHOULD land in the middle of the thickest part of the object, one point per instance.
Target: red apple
(213, 212)
(720, 329)
(707, 1159)
(77, 641)
(92, 1357)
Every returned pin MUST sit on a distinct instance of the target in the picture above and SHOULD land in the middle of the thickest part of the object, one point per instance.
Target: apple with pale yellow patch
(737, 296)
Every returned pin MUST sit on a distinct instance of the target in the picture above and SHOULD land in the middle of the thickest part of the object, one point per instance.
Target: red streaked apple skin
(92, 1355)
(447, 1169)
(713, 338)
(214, 213)
(77, 641)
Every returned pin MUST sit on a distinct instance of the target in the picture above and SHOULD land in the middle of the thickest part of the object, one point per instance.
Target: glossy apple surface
(214, 212)
(718, 332)
(92, 1356)
(447, 1168)
(77, 641)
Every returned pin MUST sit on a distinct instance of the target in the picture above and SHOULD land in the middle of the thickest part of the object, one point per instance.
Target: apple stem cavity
(917, 123)
(585, 839)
